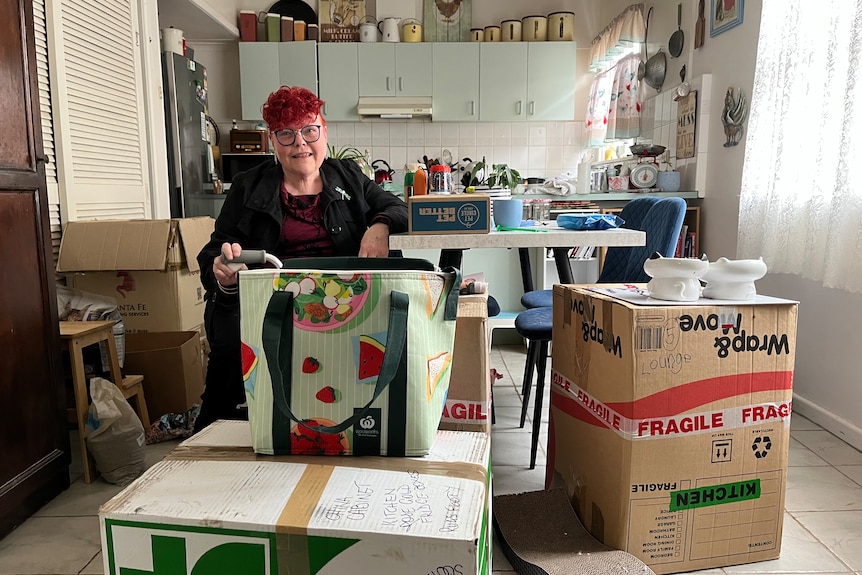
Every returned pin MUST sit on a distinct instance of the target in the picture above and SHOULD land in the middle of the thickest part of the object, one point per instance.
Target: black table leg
(564, 266)
(526, 269)
(451, 258)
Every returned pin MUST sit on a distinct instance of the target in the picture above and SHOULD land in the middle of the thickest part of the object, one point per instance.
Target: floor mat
(540, 534)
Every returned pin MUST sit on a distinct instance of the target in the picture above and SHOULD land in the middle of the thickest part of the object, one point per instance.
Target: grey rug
(540, 534)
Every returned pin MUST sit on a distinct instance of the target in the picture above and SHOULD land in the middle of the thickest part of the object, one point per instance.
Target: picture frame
(724, 15)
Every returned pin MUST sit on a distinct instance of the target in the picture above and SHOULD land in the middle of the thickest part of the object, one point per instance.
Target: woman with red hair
(302, 205)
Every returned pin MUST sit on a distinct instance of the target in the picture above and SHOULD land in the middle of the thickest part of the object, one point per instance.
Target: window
(801, 200)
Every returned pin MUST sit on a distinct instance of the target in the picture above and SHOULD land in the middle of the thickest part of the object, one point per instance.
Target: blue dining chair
(661, 220)
(616, 259)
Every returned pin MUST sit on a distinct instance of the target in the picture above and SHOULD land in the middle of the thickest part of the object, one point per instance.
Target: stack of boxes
(213, 505)
(150, 268)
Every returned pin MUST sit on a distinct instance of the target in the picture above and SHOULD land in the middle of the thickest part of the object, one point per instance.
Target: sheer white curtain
(801, 200)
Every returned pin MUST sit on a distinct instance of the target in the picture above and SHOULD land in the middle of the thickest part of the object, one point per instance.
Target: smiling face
(301, 159)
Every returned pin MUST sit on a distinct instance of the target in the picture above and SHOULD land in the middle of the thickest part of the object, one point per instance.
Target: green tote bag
(347, 356)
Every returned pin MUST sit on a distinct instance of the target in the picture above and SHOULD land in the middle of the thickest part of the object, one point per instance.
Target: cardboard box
(149, 266)
(171, 365)
(670, 424)
(453, 214)
(468, 402)
(214, 506)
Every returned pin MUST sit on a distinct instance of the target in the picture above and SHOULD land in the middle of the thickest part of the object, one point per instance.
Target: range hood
(395, 107)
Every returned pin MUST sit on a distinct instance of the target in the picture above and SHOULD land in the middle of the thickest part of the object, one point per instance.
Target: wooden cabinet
(395, 69)
(521, 81)
(455, 94)
(266, 66)
(339, 80)
(35, 440)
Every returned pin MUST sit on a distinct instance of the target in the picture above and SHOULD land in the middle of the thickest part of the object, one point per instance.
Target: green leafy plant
(499, 176)
(344, 153)
(351, 153)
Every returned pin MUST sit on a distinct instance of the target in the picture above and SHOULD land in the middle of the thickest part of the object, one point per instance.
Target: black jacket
(252, 217)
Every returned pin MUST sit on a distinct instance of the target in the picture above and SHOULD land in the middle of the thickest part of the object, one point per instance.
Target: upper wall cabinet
(339, 80)
(527, 81)
(266, 66)
(455, 96)
(394, 69)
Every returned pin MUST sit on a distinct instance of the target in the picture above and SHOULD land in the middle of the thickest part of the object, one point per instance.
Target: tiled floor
(822, 522)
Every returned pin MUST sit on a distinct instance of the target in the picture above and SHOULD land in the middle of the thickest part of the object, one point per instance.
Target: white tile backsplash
(398, 134)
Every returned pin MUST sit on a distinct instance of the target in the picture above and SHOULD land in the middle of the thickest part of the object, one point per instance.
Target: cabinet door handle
(532, 107)
(388, 83)
(520, 107)
(324, 108)
(400, 83)
(472, 107)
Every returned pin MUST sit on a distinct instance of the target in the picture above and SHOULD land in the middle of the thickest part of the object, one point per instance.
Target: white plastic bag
(114, 434)
(76, 305)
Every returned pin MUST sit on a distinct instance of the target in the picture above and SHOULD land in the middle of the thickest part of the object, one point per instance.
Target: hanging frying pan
(642, 66)
(677, 39)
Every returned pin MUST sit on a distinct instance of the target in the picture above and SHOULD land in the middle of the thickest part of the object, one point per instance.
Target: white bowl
(733, 279)
(675, 279)
(675, 267)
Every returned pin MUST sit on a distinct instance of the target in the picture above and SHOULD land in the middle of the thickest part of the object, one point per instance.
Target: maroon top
(302, 231)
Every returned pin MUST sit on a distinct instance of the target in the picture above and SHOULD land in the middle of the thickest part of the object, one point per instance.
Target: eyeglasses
(310, 133)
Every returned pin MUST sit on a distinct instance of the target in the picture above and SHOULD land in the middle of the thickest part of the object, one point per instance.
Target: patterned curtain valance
(617, 38)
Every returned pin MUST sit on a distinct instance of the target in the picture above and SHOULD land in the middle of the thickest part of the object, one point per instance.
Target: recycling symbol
(761, 446)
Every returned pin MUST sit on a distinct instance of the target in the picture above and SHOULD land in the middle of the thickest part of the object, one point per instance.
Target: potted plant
(351, 153)
(499, 176)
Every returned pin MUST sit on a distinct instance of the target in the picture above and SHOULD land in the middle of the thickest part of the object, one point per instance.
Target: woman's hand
(224, 275)
(375, 242)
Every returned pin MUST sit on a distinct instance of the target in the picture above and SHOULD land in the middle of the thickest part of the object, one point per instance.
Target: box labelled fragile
(670, 424)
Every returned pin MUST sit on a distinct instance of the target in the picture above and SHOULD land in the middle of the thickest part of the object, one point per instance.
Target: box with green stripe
(213, 506)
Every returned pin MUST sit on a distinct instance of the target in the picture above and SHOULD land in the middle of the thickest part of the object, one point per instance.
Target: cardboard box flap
(114, 245)
(194, 235)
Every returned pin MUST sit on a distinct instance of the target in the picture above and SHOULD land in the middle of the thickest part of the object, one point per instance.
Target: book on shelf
(679, 252)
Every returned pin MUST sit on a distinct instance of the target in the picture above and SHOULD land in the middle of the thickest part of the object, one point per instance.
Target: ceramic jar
(561, 26)
(511, 30)
(733, 279)
(534, 29)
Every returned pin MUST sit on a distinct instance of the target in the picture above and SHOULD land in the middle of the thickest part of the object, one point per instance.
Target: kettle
(389, 30)
(368, 29)
(380, 174)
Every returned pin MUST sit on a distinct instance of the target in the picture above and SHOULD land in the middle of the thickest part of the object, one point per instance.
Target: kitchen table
(560, 240)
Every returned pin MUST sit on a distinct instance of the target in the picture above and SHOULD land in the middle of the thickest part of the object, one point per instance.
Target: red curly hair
(290, 106)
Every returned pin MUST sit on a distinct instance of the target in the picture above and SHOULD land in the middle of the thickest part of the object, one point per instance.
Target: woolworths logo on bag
(147, 549)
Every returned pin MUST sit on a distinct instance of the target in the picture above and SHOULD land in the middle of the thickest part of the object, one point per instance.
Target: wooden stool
(78, 335)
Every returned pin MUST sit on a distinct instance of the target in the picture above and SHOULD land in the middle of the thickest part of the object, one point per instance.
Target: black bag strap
(278, 347)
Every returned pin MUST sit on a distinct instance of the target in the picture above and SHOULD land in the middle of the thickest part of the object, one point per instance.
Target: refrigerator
(190, 164)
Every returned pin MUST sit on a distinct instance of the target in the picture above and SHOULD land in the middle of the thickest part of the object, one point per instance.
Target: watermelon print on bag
(353, 355)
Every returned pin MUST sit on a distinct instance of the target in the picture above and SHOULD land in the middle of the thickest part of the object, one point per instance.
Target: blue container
(668, 181)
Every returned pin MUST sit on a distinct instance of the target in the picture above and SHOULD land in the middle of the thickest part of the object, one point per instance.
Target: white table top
(553, 237)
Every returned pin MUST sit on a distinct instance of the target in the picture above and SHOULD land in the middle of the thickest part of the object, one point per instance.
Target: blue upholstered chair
(662, 222)
(616, 259)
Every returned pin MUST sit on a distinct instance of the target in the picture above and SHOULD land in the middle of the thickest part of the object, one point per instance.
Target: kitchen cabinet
(521, 81)
(455, 94)
(502, 81)
(339, 80)
(297, 64)
(266, 66)
(394, 69)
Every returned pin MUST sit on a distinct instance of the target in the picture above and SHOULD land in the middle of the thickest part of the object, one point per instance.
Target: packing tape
(296, 515)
